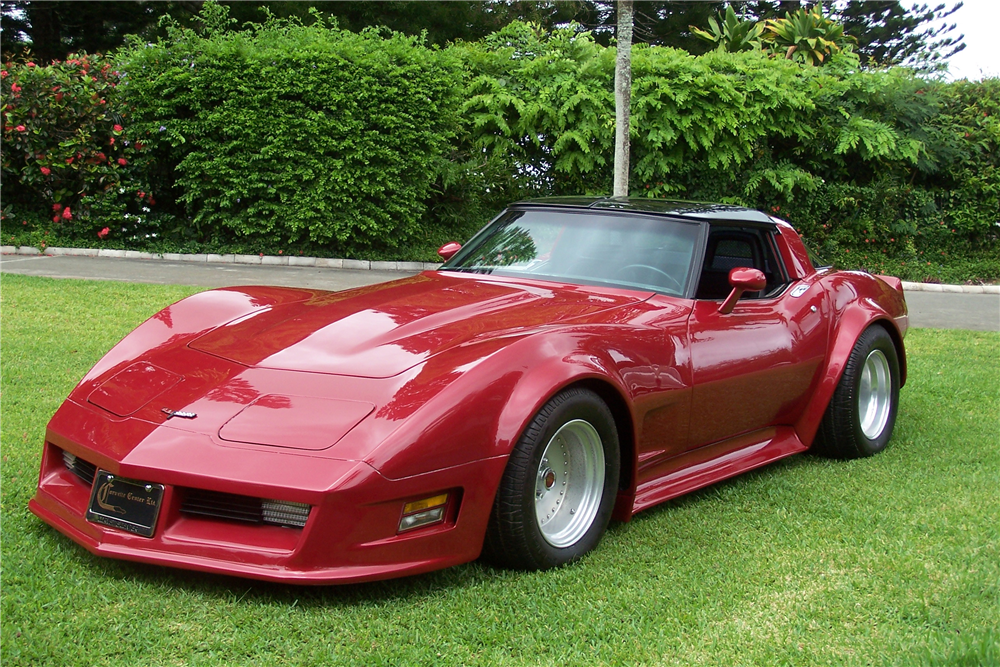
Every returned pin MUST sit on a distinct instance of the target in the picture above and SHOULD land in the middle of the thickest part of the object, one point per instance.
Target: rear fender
(850, 324)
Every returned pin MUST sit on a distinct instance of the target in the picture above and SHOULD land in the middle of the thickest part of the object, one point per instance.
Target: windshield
(585, 247)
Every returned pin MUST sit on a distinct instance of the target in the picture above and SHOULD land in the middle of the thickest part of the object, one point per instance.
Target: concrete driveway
(979, 312)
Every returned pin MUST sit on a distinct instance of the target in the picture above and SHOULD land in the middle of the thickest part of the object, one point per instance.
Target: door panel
(754, 367)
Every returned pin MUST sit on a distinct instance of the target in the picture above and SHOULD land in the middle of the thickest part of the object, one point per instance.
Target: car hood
(383, 330)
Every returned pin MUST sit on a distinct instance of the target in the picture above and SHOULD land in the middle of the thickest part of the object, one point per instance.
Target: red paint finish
(448, 250)
(742, 279)
(296, 422)
(357, 402)
(132, 388)
(753, 367)
(793, 252)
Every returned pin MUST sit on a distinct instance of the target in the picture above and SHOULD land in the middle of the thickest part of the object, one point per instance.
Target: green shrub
(311, 139)
(291, 132)
(878, 162)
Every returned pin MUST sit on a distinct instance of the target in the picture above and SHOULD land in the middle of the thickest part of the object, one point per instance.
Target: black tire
(516, 536)
(857, 423)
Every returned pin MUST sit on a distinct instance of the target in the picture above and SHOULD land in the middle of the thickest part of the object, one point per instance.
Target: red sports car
(578, 360)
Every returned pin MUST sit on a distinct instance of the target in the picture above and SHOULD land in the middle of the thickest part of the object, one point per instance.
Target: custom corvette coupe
(578, 360)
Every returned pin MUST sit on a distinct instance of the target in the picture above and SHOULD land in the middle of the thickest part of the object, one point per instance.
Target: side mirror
(742, 279)
(448, 250)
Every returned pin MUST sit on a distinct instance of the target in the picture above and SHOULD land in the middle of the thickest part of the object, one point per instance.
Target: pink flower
(55, 218)
(3, 74)
(117, 128)
(14, 88)
(69, 160)
(104, 232)
(46, 171)
(112, 142)
(67, 214)
(122, 161)
(20, 128)
(101, 157)
(30, 64)
(57, 207)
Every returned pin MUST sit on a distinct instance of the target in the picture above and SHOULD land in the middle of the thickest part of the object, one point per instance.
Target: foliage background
(313, 139)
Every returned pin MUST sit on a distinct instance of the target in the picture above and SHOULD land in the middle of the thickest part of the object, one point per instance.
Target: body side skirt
(713, 463)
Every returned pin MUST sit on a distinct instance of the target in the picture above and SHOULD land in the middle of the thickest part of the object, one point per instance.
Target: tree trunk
(623, 96)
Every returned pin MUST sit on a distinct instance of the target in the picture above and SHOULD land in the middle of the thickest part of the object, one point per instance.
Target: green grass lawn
(892, 560)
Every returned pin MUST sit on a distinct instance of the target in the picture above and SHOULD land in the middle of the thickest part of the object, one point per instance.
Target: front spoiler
(351, 535)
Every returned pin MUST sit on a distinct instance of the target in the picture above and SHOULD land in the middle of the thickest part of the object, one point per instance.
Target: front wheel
(556, 496)
(861, 415)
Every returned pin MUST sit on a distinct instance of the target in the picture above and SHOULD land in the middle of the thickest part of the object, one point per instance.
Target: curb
(269, 260)
(955, 289)
(361, 264)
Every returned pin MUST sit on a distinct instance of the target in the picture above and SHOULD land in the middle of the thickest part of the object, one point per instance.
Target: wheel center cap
(548, 478)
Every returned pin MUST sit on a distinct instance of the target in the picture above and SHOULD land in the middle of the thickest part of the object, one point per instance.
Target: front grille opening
(247, 509)
(82, 469)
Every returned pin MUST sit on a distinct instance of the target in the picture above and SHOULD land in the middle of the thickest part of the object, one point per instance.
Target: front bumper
(351, 534)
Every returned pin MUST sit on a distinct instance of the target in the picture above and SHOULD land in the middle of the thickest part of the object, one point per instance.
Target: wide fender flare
(189, 318)
(481, 413)
(552, 364)
(851, 324)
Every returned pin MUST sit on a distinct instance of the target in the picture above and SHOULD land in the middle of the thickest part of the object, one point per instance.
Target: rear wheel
(861, 415)
(557, 493)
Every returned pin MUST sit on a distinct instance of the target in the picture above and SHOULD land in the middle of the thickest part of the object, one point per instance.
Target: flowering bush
(64, 138)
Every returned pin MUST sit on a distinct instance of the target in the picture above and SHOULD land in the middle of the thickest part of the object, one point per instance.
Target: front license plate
(125, 504)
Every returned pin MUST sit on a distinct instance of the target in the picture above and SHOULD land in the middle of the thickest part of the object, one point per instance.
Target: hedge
(293, 132)
(64, 144)
(288, 136)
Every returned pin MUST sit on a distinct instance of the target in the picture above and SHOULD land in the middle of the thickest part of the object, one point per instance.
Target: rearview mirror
(742, 279)
(448, 250)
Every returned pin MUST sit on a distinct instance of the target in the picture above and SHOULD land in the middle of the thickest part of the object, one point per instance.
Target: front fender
(482, 406)
(187, 319)
(858, 301)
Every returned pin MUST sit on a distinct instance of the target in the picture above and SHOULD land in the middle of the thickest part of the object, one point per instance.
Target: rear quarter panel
(857, 301)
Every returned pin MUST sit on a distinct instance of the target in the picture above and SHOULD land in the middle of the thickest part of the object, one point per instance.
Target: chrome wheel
(874, 395)
(569, 483)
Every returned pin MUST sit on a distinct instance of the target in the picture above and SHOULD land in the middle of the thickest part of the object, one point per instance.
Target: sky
(978, 21)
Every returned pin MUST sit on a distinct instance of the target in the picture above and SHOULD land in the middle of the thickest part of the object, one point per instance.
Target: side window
(732, 247)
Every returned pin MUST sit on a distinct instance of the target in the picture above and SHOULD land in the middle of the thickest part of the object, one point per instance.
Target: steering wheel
(620, 273)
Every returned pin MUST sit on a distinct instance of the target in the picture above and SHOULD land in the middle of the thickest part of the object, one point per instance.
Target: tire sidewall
(589, 407)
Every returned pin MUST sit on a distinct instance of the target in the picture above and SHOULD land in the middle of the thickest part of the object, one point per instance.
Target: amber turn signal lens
(423, 512)
(426, 503)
